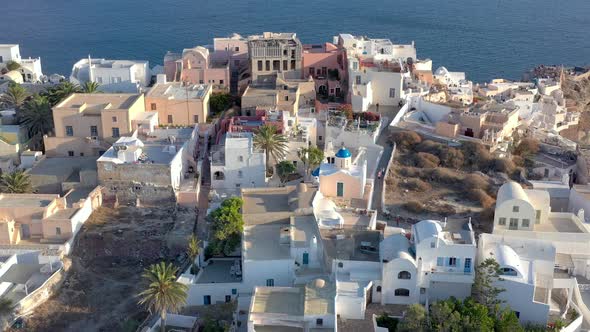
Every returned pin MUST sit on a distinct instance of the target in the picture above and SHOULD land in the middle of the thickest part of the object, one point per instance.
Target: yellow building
(179, 104)
(87, 124)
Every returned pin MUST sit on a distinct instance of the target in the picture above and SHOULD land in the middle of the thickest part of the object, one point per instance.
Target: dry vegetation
(111, 251)
(433, 180)
(577, 94)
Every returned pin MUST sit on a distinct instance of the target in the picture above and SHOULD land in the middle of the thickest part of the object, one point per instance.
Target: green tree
(163, 293)
(414, 319)
(193, 249)
(274, 144)
(312, 157)
(506, 321)
(15, 96)
(37, 117)
(226, 227)
(90, 87)
(12, 65)
(219, 102)
(59, 92)
(484, 289)
(17, 182)
(284, 169)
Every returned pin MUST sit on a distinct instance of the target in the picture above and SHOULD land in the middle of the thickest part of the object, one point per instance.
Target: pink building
(196, 66)
(249, 123)
(326, 63)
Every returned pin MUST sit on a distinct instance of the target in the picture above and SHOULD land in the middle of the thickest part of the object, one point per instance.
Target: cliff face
(577, 94)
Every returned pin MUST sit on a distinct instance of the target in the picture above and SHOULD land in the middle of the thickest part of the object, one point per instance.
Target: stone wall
(41, 294)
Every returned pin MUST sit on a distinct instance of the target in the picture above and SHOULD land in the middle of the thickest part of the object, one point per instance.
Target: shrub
(12, 65)
(370, 116)
(417, 185)
(451, 158)
(518, 161)
(527, 147)
(476, 155)
(444, 175)
(445, 210)
(405, 139)
(346, 109)
(410, 172)
(476, 181)
(426, 160)
(503, 165)
(414, 207)
(429, 146)
(482, 197)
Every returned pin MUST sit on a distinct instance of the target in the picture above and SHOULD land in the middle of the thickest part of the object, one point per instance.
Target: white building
(309, 307)
(458, 87)
(376, 70)
(237, 164)
(30, 69)
(112, 75)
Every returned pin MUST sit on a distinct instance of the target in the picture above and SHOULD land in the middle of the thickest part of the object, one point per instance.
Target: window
(57, 231)
(340, 189)
(440, 261)
(241, 158)
(311, 71)
(402, 292)
(432, 244)
(153, 106)
(240, 174)
(276, 65)
(295, 163)
(270, 282)
(114, 119)
(292, 64)
(286, 98)
(93, 131)
(506, 271)
(71, 153)
(259, 64)
(320, 138)
(227, 298)
(207, 300)
(340, 264)
(284, 52)
(513, 223)
(234, 291)
(452, 261)
(170, 119)
(285, 65)
(115, 132)
(526, 222)
(358, 79)
(221, 82)
(293, 54)
(378, 289)
(515, 208)
(502, 221)
(267, 65)
(404, 275)
(195, 118)
(422, 290)
(81, 154)
(467, 267)
(238, 185)
(236, 49)
(537, 216)
(201, 81)
(392, 93)
(69, 131)
(319, 322)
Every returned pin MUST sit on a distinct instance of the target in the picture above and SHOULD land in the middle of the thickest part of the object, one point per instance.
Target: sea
(485, 38)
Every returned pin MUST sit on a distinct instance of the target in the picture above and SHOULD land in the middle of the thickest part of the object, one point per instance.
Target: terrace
(220, 271)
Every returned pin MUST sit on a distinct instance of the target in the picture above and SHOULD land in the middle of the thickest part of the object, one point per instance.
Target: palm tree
(193, 250)
(273, 143)
(312, 157)
(17, 182)
(37, 117)
(14, 96)
(60, 92)
(163, 293)
(90, 87)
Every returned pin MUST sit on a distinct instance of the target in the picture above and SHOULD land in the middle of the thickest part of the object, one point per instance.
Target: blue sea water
(485, 38)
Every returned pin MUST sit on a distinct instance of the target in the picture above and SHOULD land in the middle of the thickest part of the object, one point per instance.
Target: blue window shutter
(458, 263)
(440, 261)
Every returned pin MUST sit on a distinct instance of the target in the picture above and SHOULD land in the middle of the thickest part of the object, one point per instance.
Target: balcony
(451, 274)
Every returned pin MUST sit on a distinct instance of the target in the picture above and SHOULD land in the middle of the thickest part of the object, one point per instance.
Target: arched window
(218, 176)
(404, 275)
(378, 289)
(340, 265)
(402, 292)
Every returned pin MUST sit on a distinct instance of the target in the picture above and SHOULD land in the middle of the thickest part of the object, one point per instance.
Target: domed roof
(316, 172)
(511, 190)
(343, 153)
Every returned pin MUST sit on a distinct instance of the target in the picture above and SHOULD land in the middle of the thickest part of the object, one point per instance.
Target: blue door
(467, 265)
(305, 258)
(340, 189)
(207, 300)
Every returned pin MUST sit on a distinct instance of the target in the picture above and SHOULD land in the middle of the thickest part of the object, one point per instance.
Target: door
(340, 189)
(25, 231)
(207, 300)
(467, 268)
(305, 258)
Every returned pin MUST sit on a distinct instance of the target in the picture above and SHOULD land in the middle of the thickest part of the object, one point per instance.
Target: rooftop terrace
(99, 101)
(347, 244)
(220, 271)
(176, 91)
